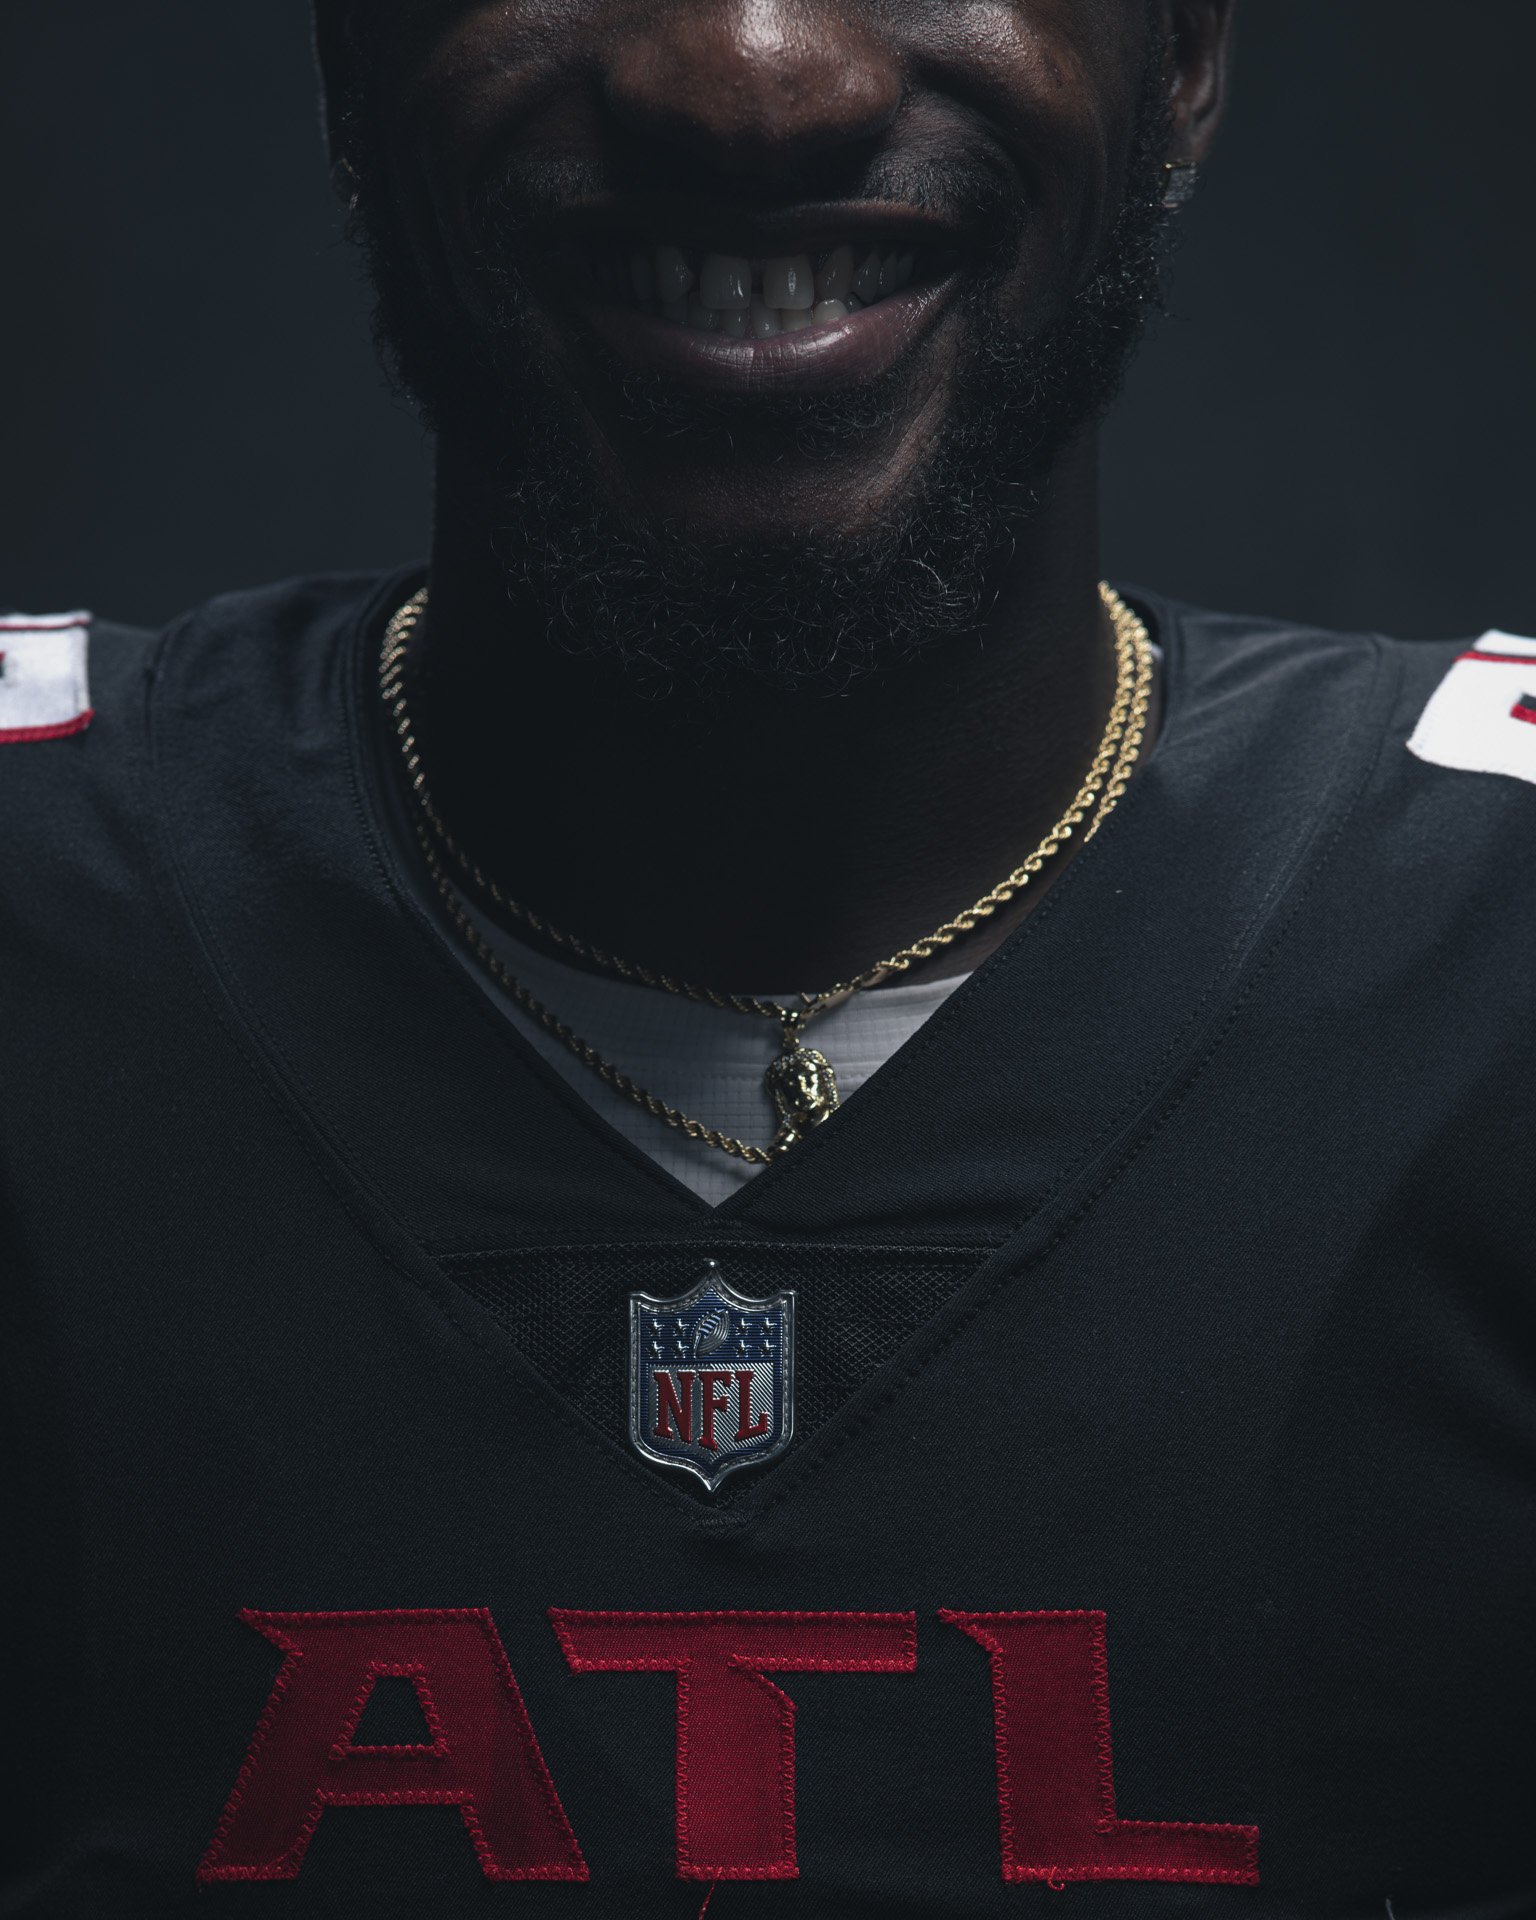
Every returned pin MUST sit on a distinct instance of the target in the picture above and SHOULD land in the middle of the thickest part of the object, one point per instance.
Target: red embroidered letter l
(1055, 1791)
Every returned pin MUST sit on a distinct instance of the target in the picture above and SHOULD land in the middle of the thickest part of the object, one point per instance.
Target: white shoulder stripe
(1482, 716)
(44, 687)
(1506, 643)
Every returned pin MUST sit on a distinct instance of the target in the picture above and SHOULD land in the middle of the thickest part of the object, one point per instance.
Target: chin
(738, 511)
(772, 483)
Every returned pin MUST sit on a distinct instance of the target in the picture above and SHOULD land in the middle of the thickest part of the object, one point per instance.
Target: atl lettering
(735, 1735)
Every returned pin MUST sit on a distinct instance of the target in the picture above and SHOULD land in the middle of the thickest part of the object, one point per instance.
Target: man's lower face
(799, 464)
(766, 399)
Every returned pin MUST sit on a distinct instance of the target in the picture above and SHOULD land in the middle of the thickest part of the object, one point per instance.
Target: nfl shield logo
(711, 1378)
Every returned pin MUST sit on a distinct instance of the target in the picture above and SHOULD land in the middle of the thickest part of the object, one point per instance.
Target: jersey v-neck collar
(1056, 1048)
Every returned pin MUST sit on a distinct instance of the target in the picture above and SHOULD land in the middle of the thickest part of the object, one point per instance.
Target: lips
(827, 306)
(811, 360)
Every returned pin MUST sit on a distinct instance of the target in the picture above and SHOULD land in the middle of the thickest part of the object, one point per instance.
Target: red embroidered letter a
(483, 1758)
(1050, 1696)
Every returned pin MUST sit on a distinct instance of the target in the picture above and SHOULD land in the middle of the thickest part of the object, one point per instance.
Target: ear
(1200, 59)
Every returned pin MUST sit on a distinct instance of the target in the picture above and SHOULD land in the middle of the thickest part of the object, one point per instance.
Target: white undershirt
(698, 1058)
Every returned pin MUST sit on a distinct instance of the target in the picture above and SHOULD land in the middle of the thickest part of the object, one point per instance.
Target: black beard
(816, 611)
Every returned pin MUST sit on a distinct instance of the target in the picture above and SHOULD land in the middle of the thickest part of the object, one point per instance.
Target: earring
(1181, 177)
(346, 184)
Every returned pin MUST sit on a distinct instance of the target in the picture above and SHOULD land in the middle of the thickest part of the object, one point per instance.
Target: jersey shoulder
(1473, 708)
(78, 698)
(1440, 707)
(71, 726)
(59, 670)
(1428, 748)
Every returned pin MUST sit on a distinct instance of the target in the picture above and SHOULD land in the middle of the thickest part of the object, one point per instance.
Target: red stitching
(1086, 1808)
(58, 730)
(42, 622)
(1501, 659)
(417, 1675)
(467, 1796)
(1106, 1820)
(814, 1617)
(750, 1773)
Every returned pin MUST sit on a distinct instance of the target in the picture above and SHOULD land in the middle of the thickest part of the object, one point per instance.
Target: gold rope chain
(1103, 785)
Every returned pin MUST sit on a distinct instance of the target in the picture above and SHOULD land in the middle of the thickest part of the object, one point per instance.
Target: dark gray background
(1337, 423)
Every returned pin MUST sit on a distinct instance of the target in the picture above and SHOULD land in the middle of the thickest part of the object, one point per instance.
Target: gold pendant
(802, 1084)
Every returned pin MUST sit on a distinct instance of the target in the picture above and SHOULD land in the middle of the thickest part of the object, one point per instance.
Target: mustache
(978, 193)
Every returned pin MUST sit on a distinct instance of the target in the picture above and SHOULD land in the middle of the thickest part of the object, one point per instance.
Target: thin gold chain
(1105, 782)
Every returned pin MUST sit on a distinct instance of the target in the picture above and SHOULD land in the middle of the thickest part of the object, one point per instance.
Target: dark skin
(753, 836)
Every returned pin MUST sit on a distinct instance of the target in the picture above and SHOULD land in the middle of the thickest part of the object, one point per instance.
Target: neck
(760, 839)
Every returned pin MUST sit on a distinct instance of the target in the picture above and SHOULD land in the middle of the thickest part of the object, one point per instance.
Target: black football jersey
(1093, 1473)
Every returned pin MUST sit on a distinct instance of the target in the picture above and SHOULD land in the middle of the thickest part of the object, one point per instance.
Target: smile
(807, 318)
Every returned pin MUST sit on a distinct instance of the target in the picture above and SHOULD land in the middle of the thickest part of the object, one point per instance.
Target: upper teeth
(732, 294)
